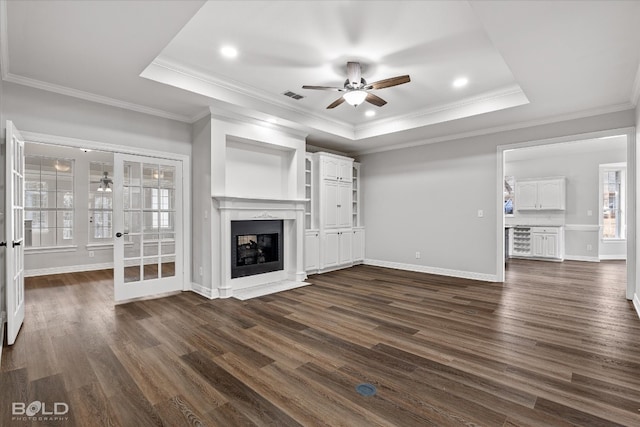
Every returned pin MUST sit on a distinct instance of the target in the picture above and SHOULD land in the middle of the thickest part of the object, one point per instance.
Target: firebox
(256, 247)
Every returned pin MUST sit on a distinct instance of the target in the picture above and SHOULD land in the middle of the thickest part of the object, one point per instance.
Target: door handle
(119, 234)
(16, 243)
(3, 243)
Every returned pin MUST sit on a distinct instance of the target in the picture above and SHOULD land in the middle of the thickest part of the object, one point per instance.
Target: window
(612, 184)
(509, 186)
(48, 201)
(100, 202)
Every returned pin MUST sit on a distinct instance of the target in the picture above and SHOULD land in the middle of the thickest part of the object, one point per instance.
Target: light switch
(480, 213)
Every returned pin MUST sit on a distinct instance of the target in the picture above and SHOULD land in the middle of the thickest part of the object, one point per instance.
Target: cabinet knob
(339, 206)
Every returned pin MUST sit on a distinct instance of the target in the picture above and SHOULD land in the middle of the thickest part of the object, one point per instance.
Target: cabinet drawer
(546, 230)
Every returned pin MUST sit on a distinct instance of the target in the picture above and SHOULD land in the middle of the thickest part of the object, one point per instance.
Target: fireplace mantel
(234, 208)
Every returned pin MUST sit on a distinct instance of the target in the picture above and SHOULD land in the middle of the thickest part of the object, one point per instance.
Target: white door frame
(630, 132)
(127, 149)
(14, 231)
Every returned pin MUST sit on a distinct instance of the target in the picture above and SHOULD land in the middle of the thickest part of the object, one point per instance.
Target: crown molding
(92, 97)
(483, 97)
(235, 87)
(504, 128)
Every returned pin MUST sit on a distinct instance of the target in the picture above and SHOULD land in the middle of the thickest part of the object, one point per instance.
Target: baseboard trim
(67, 269)
(3, 319)
(613, 257)
(636, 304)
(433, 270)
(205, 292)
(581, 258)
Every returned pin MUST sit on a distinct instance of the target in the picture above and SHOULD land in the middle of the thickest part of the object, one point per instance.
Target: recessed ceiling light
(460, 82)
(272, 120)
(229, 51)
(370, 113)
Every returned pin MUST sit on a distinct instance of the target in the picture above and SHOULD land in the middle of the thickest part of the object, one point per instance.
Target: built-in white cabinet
(541, 194)
(336, 168)
(336, 248)
(357, 251)
(336, 204)
(537, 242)
(334, 217)
(547, 242)
(312, 251)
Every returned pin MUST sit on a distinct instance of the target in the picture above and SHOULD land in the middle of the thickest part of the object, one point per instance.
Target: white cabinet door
(345, 171)
(330, 168)
(551, 194)
(311, 251)
(538, 244)
(526, 195)
(330, 204)
(346, 246)
(358, 245)
(344, 205)
(330, 248)
(551, 246)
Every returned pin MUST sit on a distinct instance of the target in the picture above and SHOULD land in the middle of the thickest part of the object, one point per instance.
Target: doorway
(164, 210)
(583, 217)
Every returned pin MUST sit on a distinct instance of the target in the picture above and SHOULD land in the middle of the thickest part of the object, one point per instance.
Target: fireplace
(256, 247)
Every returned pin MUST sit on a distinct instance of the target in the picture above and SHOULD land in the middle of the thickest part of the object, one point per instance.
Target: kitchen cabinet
(547, 242)
(541, 194)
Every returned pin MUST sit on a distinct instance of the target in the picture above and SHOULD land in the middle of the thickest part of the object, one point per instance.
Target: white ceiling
(526, 61)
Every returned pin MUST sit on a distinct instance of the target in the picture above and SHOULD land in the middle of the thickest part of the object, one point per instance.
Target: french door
(14, 230)
(147, 226)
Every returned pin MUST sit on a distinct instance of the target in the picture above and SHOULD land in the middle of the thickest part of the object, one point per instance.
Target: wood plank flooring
(556, 345)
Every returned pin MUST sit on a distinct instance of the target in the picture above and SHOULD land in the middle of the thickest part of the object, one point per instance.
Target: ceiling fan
(356, 88)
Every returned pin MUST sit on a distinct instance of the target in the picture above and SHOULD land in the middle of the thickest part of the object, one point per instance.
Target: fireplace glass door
(148, 225)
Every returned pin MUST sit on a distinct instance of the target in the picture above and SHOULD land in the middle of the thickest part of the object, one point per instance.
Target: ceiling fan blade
(393, 81)
(354, 74)
(375, 100)
(339, 89)
(335, 103)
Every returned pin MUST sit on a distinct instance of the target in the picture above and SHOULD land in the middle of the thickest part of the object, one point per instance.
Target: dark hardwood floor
(556, 345)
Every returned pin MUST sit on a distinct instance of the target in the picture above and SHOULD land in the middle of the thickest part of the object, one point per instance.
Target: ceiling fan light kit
(355, 97)
(356, 88)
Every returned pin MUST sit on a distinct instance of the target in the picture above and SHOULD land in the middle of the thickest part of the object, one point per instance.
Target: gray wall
(426, 198)
(45, 112)
(579, 163)
(103, 256)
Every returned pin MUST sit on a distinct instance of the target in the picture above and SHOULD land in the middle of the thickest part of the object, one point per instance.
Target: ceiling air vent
(293, 95)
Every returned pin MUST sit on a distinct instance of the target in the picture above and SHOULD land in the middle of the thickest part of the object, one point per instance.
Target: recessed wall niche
(258, 170)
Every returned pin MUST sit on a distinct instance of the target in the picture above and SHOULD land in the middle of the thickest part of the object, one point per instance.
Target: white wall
(426, 198)
(37, 262)
(579, 163)
(636, 296)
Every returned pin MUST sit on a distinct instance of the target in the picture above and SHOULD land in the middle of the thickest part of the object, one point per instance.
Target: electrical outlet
(201, 271)
(589, 212)
(206, 214)
(91, 254)
(589, 247)
(417, 255)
